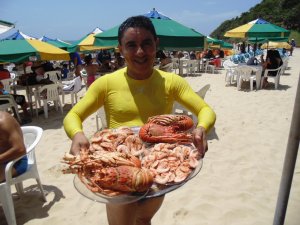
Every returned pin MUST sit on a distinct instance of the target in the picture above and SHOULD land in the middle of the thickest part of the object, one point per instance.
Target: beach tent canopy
(5, 26)
(172, 35)
(18, 35)
(16, 51)
(56, 42)
(86, 43)
(258, 28)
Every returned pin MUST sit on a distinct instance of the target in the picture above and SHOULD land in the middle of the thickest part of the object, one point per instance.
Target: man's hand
(199, 140)
(79, 142)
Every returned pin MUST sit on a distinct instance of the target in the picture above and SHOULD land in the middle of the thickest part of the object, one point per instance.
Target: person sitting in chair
(273, 61)
(11, 145)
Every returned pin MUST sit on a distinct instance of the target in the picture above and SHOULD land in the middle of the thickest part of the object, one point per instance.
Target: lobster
(110, 173)
(116, 180)
(167, 128)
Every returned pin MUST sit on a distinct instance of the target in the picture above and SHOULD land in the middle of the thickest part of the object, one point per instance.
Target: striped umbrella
(258, 28)
(20, 50)
(86, 43)
(56, 42)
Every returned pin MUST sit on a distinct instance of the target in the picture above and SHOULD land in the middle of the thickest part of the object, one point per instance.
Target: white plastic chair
(54, 76)
(47, 93)
(101, 116)
(276, 78)
(32, 136)
(175, 64)
(208, 67)
(7, 84)
(179, 109)
(193, 66)
(244, 73)
(11, 104)
(230, 67)
(71, 87)
(168, 67)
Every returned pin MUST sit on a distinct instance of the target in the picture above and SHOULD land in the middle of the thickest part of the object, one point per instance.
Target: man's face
(138, 47)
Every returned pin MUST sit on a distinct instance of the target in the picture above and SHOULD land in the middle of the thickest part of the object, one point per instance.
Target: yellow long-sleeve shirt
(129, 102)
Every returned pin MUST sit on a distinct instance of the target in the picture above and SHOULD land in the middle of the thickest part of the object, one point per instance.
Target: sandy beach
(237, 185)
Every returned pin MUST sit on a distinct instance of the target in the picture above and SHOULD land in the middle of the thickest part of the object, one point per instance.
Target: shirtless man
(11, 145)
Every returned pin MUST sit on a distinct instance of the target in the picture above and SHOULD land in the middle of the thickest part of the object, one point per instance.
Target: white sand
(238, 183)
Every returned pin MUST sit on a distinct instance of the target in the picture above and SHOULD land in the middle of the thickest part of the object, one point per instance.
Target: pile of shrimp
(170, 163)
(121, 140)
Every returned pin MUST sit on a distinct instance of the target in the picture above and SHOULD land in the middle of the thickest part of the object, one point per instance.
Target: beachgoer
(4, 73)
(20, 100)
(11, 145)
(209, 55)
(130, 96)
(163, 59)
(104, 59)
(64, 71)
(293, 45)
(91, 69)
(118, 62)
(273, 61)
(76, 60)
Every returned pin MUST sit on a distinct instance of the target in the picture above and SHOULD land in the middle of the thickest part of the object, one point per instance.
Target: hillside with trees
(283, 13)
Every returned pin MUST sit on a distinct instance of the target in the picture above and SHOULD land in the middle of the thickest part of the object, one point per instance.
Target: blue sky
(73, 19)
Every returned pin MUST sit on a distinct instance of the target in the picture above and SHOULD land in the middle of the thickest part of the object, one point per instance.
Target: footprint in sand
(180, 214)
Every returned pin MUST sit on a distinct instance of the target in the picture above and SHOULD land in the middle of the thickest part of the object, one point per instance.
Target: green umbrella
(258, 28)
(172, 35)
(216, 43)
(20, 50)
(212, 41)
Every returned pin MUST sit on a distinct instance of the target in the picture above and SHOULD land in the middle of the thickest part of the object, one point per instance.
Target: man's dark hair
(136, 21)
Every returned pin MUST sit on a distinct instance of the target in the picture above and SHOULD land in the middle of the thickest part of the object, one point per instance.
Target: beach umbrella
(272, 44)
(20, 50)
(212, 41)
(258, 28)
(223, 45)
(172, 35)
(19, 35)
(216, 43)
(56, 42)
(5, 26)
(86, 43)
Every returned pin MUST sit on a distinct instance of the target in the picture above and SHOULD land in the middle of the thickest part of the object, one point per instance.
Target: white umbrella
(5, 26)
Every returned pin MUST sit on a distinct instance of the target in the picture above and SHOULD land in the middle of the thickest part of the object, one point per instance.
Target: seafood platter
(126, 164)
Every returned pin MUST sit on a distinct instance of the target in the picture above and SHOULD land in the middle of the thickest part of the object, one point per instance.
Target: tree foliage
(283, 13)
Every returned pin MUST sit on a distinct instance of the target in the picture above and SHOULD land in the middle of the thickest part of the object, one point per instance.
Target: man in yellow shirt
(131, 95)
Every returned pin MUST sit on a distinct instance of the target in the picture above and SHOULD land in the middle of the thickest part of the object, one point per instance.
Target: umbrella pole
(289, 163)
